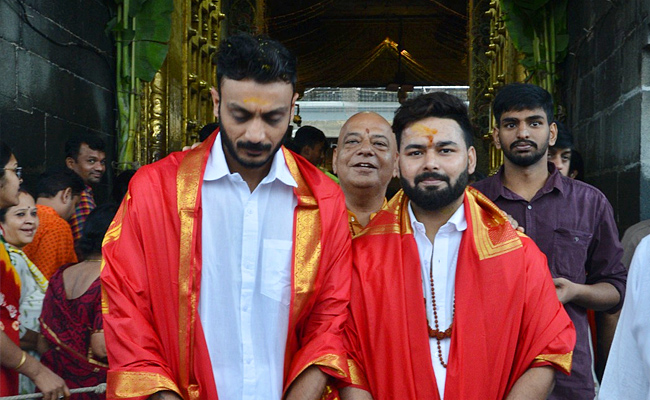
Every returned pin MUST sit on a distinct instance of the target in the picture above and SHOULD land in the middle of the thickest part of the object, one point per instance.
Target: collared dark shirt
(573, 224)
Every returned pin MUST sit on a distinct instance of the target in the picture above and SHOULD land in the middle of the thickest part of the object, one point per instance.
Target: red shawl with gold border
(152, 254)
(508, 317)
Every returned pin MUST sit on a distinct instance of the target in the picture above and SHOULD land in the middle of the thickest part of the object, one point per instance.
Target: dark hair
(207, 130)
(577, 164)
(121, 185)
(564, 137)
(5, 156)
(435, 104)
(73, 145)
(522, 96)
(52, 182)
(3, 211)
(243, 56)
(94, 229)
(308, 136)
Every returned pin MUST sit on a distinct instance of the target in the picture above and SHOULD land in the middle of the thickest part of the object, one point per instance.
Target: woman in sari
(14, 360)
(71, 320)
(19, 224)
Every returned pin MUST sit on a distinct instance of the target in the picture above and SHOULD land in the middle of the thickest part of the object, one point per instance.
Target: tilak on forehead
(256, 100)
(424, 131)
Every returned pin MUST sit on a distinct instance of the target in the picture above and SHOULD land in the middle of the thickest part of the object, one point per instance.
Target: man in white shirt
(441, 258)
(228, 267)
(627, 374)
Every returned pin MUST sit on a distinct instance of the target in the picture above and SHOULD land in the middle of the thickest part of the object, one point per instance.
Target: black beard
(433, 199)
(525, 160)
(230, 148)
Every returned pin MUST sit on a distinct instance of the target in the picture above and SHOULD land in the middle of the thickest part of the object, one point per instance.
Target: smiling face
(366, 153)
(435, 163)
(524, 136)
(90, 164)
(20, 222)
(253, 120)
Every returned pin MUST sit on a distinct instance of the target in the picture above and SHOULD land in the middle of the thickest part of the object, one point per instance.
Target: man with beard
(365, 160)
(448, 300)
(571, 221)
(227, 270)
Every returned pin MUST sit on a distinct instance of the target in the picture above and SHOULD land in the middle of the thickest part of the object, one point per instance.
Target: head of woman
(10, 178)
(94, 230)
(19, 222)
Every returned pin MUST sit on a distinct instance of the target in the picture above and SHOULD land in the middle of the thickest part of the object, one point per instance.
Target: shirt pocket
(276, 269)
(570, 248)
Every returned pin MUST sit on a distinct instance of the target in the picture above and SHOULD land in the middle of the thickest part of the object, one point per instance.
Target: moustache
(254, 146)
(523, 141)
(431, 175)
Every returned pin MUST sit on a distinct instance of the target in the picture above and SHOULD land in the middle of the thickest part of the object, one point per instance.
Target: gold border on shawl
(68, 348)
(127, 384)
(564, 361)
(188, 183)
(397, 221)
(307, 245)
(356, 376)
(484, 245)
(115, 228)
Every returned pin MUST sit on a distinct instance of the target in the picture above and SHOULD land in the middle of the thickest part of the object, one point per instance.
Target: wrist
(23, 358)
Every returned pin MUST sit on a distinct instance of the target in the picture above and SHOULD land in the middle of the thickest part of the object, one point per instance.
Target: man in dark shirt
(571, 221)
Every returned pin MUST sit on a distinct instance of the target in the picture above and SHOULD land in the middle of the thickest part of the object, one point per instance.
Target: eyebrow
(237, 107)
(530, 118)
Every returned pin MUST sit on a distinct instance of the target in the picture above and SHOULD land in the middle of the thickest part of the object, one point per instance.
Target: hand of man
(564, 289)
(514, 223)
(52, 385)
(192, 147)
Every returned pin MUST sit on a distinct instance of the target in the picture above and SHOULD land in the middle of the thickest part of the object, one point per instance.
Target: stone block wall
(57, 73)
(607, 95)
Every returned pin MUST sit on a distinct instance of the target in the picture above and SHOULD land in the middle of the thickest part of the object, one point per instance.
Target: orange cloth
(353, 222)
(507, 314)
(152, 254)
(53, 245)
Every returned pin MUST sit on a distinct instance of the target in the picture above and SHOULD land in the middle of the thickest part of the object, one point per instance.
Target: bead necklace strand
(436, 333)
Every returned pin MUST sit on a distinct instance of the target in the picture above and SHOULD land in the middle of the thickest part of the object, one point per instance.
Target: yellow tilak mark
(257, 101)
(422, 129)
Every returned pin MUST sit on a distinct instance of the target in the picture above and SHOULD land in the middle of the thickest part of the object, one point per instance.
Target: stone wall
(607, 94)
(57, 70)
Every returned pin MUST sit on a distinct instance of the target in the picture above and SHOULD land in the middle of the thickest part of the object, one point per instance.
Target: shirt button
(530, 207)
(576, 239)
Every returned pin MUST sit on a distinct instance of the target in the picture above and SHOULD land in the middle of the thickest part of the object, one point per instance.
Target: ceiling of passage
(357, 43)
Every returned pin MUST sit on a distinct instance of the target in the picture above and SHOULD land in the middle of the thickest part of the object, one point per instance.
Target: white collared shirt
(247, 247)
(445, 256)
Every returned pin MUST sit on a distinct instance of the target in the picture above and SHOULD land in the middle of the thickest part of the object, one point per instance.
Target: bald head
(366, 154)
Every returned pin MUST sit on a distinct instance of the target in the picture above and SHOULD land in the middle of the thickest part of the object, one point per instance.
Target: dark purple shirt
(573, 224)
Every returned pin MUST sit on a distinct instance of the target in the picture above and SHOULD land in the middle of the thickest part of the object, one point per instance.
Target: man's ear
(396, 165)
(495, 137)
(471, 160)
(553, 134)
(70, 162)
(215, 101)
(66, 195)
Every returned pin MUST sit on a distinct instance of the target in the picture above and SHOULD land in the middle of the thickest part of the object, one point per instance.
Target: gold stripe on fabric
(307, 246)
(378, 230)
(188, 182)
(488, 246)
(70, 349)
(127, 384)
(356, 376)
(115, 228)
(397, 221)
(563, 361)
